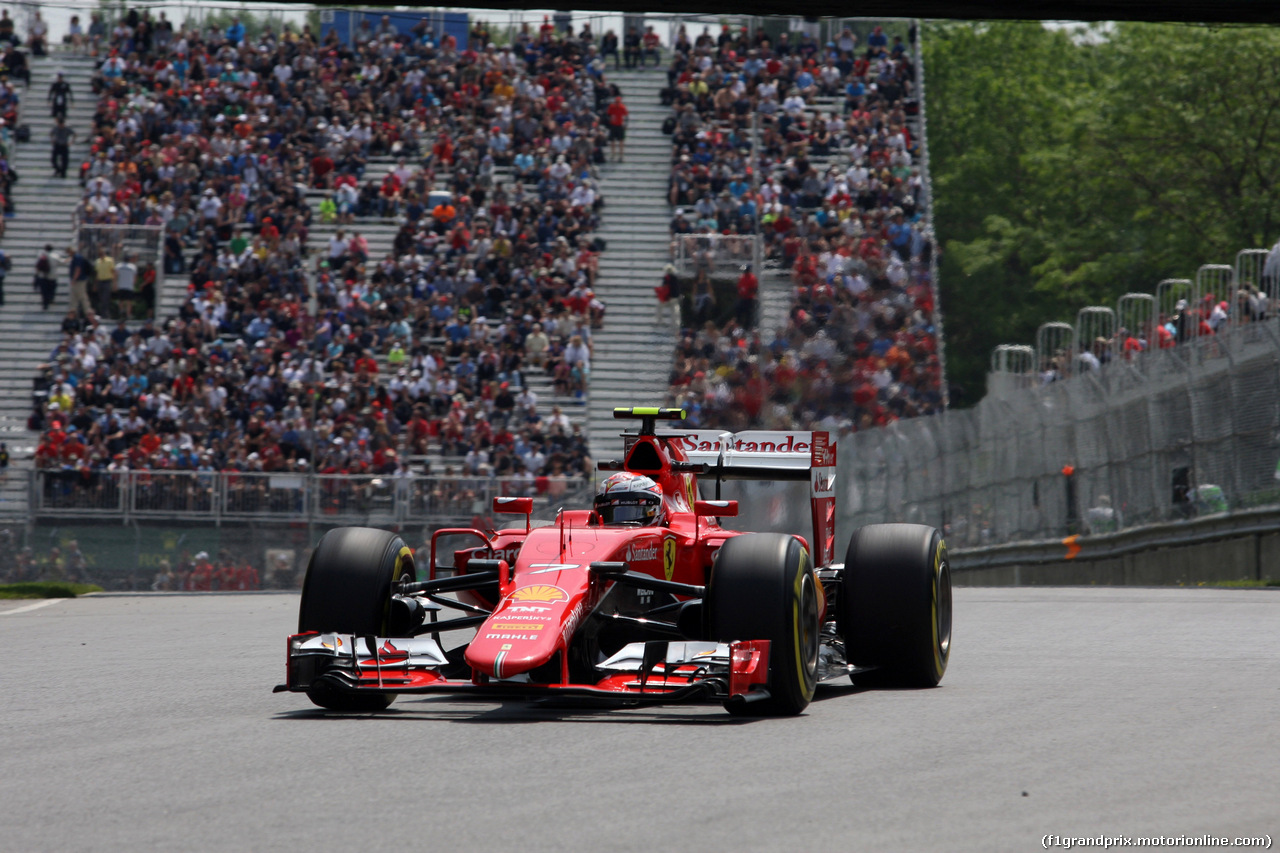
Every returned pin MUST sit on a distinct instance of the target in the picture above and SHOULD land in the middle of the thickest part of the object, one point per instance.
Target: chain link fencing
(1174, 434)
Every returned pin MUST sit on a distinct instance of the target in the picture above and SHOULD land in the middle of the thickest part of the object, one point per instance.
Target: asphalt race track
(148, 723)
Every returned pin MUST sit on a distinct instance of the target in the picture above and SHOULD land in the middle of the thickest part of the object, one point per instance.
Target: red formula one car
(643, 598)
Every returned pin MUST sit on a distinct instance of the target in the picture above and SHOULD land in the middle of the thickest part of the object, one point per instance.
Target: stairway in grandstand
(43, 206)
(633, 353)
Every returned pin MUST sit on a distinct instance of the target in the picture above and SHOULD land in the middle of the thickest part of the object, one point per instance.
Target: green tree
(1072, 166)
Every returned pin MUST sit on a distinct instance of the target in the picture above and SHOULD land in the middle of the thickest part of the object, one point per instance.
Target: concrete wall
(1246, 556)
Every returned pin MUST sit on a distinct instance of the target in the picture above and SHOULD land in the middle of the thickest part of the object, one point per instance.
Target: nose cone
(525, 631)
(553, 593)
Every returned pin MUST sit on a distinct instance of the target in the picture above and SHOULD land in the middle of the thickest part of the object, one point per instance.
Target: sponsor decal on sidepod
(640, 553)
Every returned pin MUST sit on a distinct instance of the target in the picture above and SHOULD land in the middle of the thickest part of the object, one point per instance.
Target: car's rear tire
(347, 590)
(763, 588)
(896, 604)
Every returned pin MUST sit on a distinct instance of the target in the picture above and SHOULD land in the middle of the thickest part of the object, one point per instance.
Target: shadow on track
(868, 682)
(541, 710)
(529, 711)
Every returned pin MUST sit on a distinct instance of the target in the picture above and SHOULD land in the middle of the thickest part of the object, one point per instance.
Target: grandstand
(382, 273)
(814, 151)
(370, 265)
(370, 259)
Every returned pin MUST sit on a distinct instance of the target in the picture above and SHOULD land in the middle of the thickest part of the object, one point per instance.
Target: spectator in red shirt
(270, 233)
(202, 574)
(748, 287)
(651, 42)
(442, 151)
(247, 577)
(322, 167)
(228, 575)
(617, 116)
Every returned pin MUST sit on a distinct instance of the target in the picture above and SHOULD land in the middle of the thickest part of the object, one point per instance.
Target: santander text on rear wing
(774, 455)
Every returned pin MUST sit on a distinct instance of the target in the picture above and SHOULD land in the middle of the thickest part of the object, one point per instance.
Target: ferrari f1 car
(643, 598)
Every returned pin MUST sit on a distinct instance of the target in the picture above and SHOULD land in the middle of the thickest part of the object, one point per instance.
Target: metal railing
(1242, 290)
(715, 254)
(233, 496)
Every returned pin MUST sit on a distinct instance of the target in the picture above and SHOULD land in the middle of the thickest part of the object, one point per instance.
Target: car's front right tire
(895, 612)
(347, 590)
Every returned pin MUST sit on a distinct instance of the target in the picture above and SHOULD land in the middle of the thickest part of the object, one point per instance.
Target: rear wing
(773, 455)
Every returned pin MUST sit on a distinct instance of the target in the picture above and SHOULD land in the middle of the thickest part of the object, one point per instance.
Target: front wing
(649, 673)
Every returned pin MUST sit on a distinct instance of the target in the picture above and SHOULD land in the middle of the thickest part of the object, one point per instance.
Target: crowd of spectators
(202, 573)
(13, 68)
(216, 137)
(810, 146)
(66, 563)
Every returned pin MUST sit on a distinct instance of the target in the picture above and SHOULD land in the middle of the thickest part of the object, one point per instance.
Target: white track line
(28, 608)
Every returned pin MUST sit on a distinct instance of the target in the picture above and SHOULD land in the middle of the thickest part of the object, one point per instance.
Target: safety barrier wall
(1242, 546)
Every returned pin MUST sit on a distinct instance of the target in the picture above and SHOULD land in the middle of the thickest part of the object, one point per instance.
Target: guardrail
(1240, 545)
(219, 496)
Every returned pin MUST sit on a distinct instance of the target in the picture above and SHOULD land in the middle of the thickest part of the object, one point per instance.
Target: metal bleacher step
(43, 206)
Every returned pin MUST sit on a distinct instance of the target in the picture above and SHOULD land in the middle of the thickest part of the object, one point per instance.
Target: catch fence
(231, 496)
(1176, 434)
(142, 242)
(1083, 433)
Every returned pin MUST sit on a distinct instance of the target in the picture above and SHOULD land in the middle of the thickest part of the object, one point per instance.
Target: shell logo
(540, 592)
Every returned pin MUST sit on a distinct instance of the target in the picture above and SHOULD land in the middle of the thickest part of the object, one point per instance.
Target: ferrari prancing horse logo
(669, 557)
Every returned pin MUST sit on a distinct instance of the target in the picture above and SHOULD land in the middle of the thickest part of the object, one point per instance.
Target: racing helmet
(626, 498)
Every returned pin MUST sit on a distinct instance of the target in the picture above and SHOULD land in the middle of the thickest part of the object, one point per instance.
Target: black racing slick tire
(896, 604)
(347, 590)
(763, 588)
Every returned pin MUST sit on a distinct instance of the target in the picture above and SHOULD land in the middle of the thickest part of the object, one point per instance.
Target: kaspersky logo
(539, 592)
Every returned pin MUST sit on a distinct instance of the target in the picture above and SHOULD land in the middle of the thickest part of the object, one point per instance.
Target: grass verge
(1247, 584)
(46, 589)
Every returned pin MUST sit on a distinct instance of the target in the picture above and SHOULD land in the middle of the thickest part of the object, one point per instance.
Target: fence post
(1250, 267)
(126, 494)
(1053, 348)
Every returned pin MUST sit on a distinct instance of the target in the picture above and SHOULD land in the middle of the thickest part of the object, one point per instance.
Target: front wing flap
(653, 672)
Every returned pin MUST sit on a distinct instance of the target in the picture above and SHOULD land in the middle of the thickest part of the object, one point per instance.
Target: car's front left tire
(763, 587)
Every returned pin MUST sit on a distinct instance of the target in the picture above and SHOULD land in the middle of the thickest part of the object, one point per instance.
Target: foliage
(1071, 166)
(46, 589)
